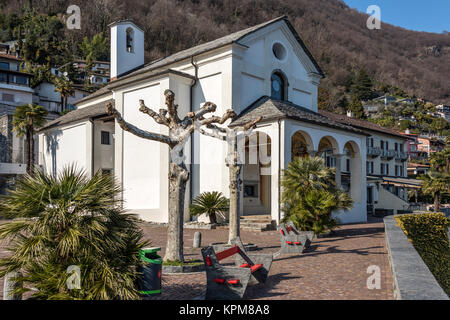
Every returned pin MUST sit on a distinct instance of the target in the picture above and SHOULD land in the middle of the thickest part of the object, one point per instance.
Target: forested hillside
(417, 62)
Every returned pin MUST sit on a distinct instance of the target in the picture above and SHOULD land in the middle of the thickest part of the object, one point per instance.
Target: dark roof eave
(117, 83)
(387, 131)
(90, 112)
(283, 117)
(122, 81)
(399, 135)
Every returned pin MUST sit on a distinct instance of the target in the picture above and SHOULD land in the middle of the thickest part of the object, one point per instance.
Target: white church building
(265, 70)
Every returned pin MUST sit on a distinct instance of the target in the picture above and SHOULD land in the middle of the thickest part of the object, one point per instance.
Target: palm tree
(65, 88)
(441, 160)
(210, 203)
(436, 184)
(310, 194)
(26, 119)
(70, 220)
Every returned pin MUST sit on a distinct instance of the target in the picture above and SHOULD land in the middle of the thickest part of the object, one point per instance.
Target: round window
(279, 51)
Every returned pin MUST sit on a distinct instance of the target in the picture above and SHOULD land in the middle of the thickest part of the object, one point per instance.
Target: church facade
(263, 71)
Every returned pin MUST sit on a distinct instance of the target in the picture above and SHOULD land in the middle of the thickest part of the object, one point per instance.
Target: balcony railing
(373, 151)
(388, 154)
(400, 155)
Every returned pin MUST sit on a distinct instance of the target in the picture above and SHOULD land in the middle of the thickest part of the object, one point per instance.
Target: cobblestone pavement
(335, 267)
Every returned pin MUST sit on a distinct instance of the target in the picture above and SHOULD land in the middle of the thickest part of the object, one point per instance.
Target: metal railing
(400, 155)
(388, 154)
(16, 155)
(373, 151)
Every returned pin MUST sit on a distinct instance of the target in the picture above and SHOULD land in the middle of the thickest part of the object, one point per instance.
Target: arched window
(277, 87)
(130, 40)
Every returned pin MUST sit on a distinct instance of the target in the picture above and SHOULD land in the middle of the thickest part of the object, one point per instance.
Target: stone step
(257, 217)
(256, 221)
(257, 226)
(258, 229)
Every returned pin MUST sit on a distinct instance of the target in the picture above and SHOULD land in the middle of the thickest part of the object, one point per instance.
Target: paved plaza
(334, 267)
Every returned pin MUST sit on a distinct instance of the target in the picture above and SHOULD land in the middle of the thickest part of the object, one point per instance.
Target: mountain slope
(417, 62)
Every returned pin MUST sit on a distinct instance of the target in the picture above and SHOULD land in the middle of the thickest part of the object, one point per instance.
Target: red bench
(293, 241)
(227, 282)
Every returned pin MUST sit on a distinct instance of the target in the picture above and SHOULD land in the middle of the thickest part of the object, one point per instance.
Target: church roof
(94, 110)
(202, 48)
(270, 109)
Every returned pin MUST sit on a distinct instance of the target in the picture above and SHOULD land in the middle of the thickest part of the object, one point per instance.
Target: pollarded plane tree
(179, 132)
(231, 136)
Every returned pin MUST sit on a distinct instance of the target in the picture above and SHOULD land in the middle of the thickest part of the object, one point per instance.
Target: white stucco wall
(65, 146)
(256, 63)
(141, 161)
(209, 153)
(103, 153)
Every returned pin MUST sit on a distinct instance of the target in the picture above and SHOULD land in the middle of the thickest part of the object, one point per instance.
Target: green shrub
(428, 234)
(71, 220)
(310, 195)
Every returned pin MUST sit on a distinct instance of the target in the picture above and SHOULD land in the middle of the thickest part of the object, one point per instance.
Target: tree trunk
(436, 201)
(213, 218)
(31, 151)
(235, 185)
(234, 226)
(28, 147)
(178, 176)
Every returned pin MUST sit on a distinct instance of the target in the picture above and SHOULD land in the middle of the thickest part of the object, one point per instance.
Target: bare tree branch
(159, 118)
(214, 133)
(207, 107)
(249, 125)
(172, 108)
(229, 114)
(135, 130)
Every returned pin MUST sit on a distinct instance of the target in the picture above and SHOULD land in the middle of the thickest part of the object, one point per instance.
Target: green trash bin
(150, 278)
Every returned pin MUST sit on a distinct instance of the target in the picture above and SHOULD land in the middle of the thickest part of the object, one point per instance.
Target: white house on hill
(265, 70)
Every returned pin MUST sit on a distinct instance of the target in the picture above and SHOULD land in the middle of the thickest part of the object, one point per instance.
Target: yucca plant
(70, 220)
(210, 203)
(310, 195)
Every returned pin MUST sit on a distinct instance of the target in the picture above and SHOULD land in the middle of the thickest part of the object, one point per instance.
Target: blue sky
(420, 15)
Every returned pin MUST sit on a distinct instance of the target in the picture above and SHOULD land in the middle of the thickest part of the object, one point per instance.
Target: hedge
(428, 234)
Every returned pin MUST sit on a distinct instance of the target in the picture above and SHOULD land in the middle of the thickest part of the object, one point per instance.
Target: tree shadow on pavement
(344, 233)
(332, 249)
(263, 290)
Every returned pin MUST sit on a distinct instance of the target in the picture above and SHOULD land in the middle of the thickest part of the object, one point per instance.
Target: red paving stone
(334, 268)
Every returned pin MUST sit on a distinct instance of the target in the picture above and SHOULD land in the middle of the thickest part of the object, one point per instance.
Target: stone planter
(183, 269)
